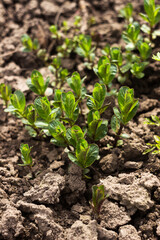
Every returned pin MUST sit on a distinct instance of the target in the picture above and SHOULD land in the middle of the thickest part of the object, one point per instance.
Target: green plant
(106, 71)
(84, 49)
(37, 84)
(126, 13)
(59, 72)
(26, 158)
(128, 106)
(5, 92)
(152, 17)
(98, 197)
(28, 43)
(154, 148)
(156, 57)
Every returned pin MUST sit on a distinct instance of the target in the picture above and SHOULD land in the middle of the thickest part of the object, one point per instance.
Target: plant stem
(118, 135)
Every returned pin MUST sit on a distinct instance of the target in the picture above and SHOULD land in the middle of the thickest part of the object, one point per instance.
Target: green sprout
(26, 157)
(152, 17)
(126, 13)
(154, 148)
(5, 92)
(37, 84)
(106, 71)
(156, 57)
(60, 73)
(128, 106)
(28, 44)
(98, 197)
(85, 49)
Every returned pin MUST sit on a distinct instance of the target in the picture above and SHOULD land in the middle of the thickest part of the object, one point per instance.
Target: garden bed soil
(55, 204)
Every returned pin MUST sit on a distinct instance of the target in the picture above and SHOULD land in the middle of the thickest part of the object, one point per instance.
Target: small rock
(108, 163)
(158, 227)
(49, 8)
(113, 216)
(81, 231)
(133, 165)
(56, 165)
(104, 234)
(48, 191)
(128, 232)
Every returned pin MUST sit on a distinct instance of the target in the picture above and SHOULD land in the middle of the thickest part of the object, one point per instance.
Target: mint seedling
(37, 84)
(152, 16)
(59, 72)
(5, 92)
(131, 35)
(154, 148)
(28, 44)
(126, 13)
(128, 106)
(97, 128)
(96, 101)
(98, 197)
(85, 155)
(106, 71)
(85, 49)
(55, 33)
(70, 108)
(138, 68)
(144, 50)
(75, 82)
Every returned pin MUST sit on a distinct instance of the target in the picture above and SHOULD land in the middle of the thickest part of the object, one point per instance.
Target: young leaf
(18, 101)
(25, 155)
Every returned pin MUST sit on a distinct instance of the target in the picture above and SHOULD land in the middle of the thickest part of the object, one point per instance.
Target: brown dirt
(55, 205)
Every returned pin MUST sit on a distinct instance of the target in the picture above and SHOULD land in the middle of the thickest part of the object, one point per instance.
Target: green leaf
(70, 105)
(18, 101)
(25, 155)
(92, 155)
(42, 106)
(75, 83)
(115, 124)
(27, 43)
(58, 131)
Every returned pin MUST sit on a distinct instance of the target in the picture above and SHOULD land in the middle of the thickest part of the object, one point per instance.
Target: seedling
(26, 157)
(85, 49)
(97, 128)
(131, 35)
(96, 101)
(37, 84)
(70, 108)
(84, 155)
(75, 82)
(128, 106)
(154, 148)
(55, 33)
(152, 17)
(98, 197)
(5, 92)
(106, 71)
(126, 13)
(28, 44)
(59, 72)
(156, 57)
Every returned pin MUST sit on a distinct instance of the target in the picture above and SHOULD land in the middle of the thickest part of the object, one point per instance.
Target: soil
(55, 204)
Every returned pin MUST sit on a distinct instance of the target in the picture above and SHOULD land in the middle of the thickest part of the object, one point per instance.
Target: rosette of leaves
(84, 49)
(106, 71)
(97, 128)
(76, 84)
(84, 155)
(132, 35)
(152, 17)
(5, 92)
(70, 108)
(28, 44)
(96, 101)
(128, 106)
(37, 84)
(126, 13)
